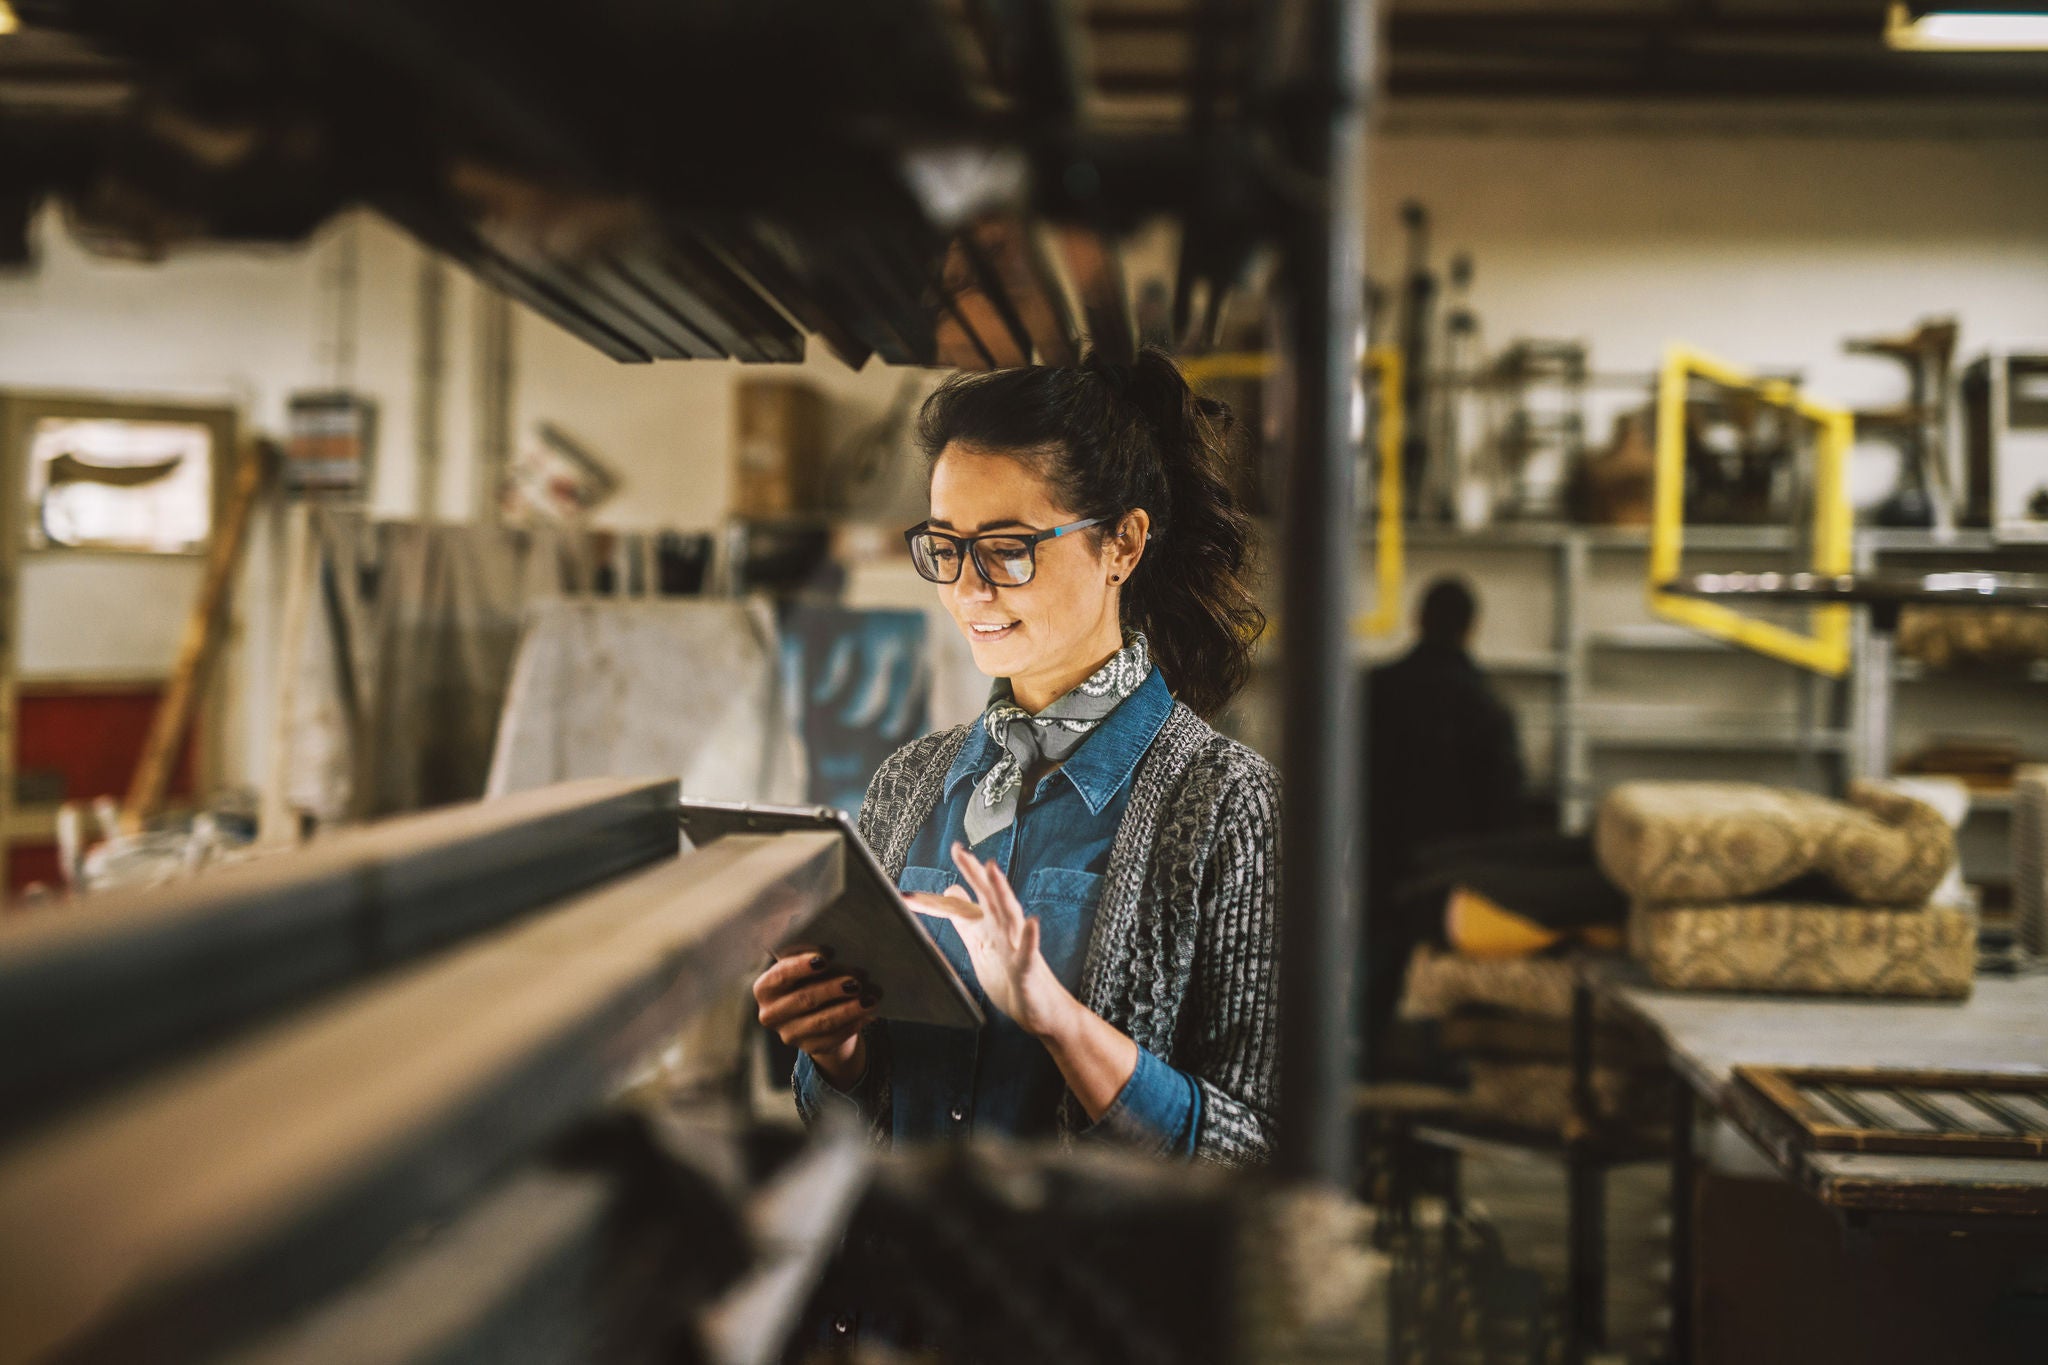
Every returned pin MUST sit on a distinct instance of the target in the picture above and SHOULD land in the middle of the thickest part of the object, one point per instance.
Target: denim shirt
(951, 1083)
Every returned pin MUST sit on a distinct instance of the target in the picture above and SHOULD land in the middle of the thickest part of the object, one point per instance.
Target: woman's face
(1050, 634)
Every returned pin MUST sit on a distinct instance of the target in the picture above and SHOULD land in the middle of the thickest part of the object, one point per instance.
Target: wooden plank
(229, 1194)
(1974, 1117)
(1014, 253)
(980, 327)
(1886, 1115)
(1098, 276)
(150, 971)
(1933, 1186)
(205, 632)
(2002, 1027)
(276, 823)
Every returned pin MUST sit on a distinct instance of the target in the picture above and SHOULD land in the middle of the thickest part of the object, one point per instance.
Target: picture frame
(93, 474)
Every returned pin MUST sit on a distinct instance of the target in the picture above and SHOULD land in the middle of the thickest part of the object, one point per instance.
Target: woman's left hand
(1002, 942)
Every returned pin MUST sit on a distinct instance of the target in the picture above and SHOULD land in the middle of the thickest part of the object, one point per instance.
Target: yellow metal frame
(1826, 650)
(1390, 563)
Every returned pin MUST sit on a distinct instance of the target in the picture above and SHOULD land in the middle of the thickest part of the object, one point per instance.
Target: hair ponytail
(1112, 438)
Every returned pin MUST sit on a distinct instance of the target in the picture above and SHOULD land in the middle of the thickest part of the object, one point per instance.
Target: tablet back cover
(867, 929)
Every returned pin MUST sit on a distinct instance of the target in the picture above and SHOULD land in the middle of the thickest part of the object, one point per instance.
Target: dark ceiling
(1586, 49)
(928, 181)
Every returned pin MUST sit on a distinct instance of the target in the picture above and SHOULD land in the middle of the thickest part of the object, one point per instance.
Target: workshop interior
(505, 512)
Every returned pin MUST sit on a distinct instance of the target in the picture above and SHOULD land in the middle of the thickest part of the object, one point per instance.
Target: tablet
(870, 930)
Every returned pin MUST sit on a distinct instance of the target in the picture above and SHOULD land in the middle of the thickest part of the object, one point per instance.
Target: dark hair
(1112, 438)
(1448, 610)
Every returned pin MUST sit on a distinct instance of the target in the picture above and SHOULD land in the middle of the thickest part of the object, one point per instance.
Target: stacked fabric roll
(1509, 1022)
(1742, 887)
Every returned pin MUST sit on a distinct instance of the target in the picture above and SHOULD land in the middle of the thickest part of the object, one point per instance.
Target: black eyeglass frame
(969, 548)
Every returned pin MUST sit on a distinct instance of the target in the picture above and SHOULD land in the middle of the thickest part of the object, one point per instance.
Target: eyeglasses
(1005, 559)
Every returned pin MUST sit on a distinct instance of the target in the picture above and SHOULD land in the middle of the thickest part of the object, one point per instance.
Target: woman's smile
(987, 632)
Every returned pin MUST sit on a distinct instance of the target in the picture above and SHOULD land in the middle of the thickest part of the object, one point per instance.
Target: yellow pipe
(1390, 568)
(1390, 551)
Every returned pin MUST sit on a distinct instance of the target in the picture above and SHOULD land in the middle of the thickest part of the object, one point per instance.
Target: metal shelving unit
(1556, 692)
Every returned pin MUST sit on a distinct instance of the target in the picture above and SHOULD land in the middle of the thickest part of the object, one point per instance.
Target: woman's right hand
(818, 1012)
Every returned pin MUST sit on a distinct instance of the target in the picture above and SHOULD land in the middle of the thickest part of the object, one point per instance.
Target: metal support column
(1319, 745)
(1683, 1291)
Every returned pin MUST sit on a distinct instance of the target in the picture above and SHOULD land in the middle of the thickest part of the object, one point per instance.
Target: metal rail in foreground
(1319, 746)
(135, 976)
(226, 1194)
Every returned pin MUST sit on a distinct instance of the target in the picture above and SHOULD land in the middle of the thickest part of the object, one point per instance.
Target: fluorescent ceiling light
(1920, 28)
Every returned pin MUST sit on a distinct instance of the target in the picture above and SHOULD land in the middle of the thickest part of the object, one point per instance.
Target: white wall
(246, 328)
(1766, 250)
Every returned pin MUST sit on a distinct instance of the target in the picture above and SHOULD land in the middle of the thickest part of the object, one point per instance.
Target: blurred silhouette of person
(1443, 763)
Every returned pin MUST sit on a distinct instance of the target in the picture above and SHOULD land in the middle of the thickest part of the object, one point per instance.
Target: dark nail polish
(868, 1001)
(818, 962)
(851, 987)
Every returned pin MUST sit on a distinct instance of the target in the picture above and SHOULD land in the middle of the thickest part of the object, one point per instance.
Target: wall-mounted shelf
(1656, 637)
(1726, 734)
(1532, 534)
(1567, 696)
(1537, 664)
(1912, 670)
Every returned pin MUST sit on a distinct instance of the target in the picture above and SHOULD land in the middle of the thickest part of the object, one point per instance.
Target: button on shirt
(999, 1079)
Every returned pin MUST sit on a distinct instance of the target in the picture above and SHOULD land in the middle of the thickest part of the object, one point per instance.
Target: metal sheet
(488, 1287)
(134, 976)
(234, 1191)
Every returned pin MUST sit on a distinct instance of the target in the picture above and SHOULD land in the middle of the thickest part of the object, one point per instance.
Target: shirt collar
(1102, 765)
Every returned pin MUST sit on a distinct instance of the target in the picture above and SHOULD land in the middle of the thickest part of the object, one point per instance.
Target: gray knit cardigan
(1185, 951)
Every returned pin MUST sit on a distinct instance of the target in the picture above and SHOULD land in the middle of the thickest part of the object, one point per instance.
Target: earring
(1114, 578)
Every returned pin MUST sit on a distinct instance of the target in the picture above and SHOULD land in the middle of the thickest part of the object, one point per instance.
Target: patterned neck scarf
(1051, 735)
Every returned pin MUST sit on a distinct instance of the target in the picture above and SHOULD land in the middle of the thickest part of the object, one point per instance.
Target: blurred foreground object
(381, 1099)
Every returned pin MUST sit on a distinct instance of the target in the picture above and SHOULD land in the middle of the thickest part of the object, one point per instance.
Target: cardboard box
(778, 447)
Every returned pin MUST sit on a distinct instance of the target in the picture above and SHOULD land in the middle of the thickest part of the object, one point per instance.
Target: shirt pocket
(1061, 887)
(935, 881)
(928, 881)
(1064, 902)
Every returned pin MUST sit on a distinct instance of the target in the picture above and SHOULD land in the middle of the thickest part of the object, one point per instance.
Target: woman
(1097, 863)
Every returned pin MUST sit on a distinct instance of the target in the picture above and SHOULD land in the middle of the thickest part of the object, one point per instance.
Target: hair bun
(1155, 386)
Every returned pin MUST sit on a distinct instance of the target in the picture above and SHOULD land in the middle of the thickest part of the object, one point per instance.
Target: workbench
(2002, 1027)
